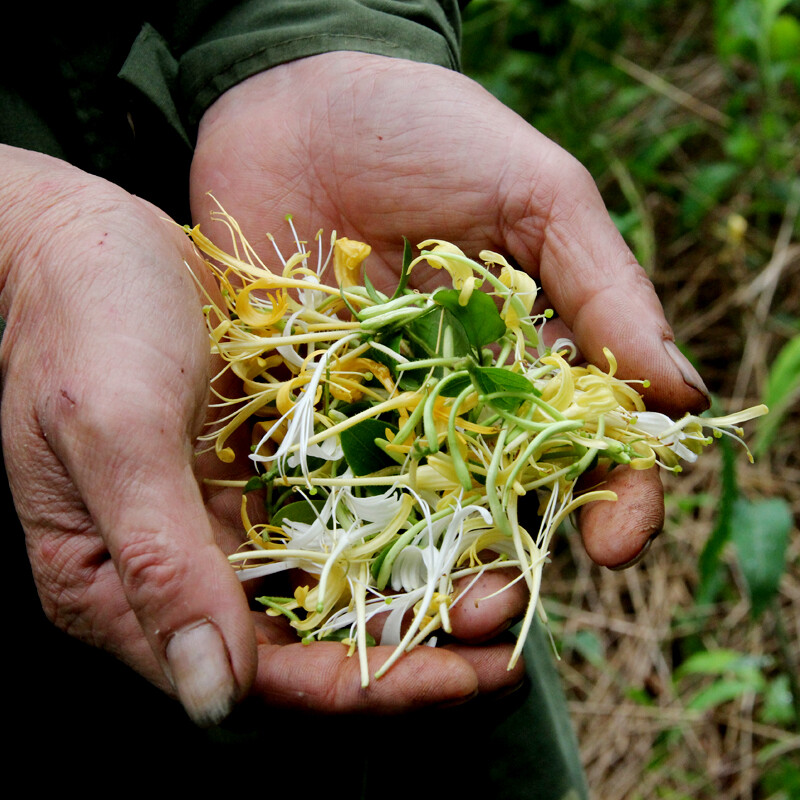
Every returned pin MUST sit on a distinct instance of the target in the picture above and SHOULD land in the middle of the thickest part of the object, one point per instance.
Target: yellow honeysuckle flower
(522, 287)
(348, 255)
(261, 315)
(445, 255)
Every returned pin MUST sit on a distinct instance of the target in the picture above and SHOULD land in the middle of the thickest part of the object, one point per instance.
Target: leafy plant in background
(558, 64)
(671, 162)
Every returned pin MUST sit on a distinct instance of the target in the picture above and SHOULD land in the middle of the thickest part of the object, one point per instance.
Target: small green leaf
(707, 189)
(373, 294)
(589, 646)
(781, 392)
(479, 317)
(254, 484)
(456, 386)
(718, 693)
(438, 333)
(760, 533)
(489, 380)
(392, 342)
(305, 511)
(360, 451)
(404, 271)
(719, 662)
(778, 707)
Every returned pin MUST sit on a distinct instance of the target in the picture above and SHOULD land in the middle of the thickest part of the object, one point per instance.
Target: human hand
(105, 372)
(381, 148)
(105, 366)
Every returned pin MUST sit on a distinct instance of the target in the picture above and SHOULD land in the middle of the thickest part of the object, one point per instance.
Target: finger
(135, 476)
(147, 507)
(488, 606)
(322, 677)
(556, 219)
(616, 534)
(492, 665)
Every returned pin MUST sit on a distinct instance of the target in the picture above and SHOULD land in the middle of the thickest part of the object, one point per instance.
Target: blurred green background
(682, 673)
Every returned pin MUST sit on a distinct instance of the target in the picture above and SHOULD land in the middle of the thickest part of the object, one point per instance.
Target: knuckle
(149, 571)
(64, 571)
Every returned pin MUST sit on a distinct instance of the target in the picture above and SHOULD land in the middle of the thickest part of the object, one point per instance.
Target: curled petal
(348, 256)
(444, 255)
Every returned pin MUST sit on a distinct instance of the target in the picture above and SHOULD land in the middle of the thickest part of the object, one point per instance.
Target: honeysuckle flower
(348, 255)
(522, 287)
(301, 417)
(423, 430)
(328, 449)
(444, 255)
(686, 442)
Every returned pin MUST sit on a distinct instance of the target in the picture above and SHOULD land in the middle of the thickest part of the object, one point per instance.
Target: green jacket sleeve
(123, 100)
(220, 44)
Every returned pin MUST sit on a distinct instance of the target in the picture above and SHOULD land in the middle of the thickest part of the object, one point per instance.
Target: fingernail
(690, 375)
(638, 557)
(200, 671)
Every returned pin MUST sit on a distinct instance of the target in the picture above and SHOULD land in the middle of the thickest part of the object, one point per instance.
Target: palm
(366, 162)
(380, 148)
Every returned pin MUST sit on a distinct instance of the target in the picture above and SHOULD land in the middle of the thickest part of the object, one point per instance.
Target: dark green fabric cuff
(152, 69)
(255, 36)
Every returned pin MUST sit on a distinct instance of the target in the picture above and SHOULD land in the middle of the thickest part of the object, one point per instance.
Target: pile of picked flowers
(394, 436)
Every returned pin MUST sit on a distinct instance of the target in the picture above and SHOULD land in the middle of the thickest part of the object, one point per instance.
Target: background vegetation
(682, 674)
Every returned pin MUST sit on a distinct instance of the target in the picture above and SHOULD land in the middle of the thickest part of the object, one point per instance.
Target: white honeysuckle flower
(301, 417)
(562, 344)
(398, 607)
(409, 571)
(379, 508)
(328, 449)
(425, 562)
(274, 567)
(661, 427)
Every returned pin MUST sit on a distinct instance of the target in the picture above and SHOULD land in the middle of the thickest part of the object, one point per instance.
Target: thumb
(144, 501)
(593, 280)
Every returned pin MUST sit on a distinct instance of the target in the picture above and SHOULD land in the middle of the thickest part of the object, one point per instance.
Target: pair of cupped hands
(105, 364)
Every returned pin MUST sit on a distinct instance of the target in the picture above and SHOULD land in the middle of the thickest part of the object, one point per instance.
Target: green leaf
(305, 511)
(760, 533)
(710, 565)
(781, 392)
(707, 189)
(404, 272)
(589, 646)
(489, 380)
(718, 693)
(360, 451)
(479, 317)
(371, 291)
(719, 662)
(782, 780)
(254, 484)
(456, 386)
(393, 341)
(424, 333)
(778, 708)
